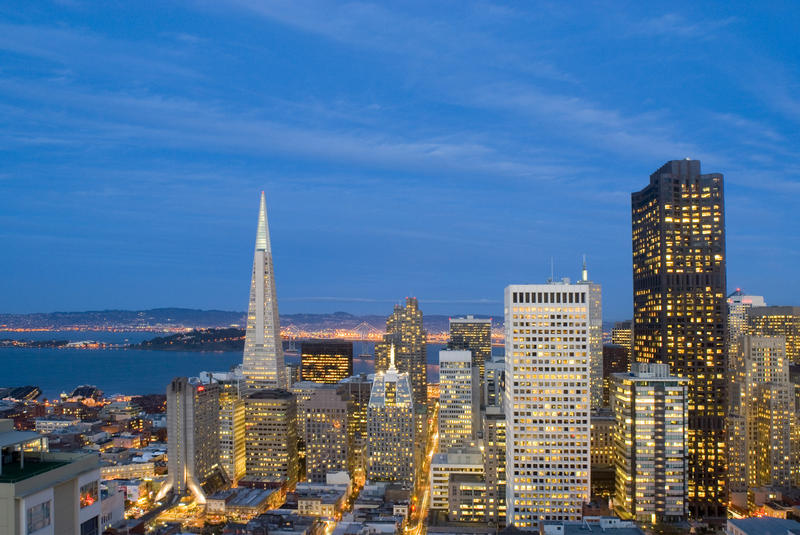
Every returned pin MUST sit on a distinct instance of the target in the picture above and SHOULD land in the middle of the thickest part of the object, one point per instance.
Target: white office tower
(547, 402)
(390, 427)
(595, 302)
(650, 413)
(739, 306)
(459, 400)
(762, 417)
(263, 365)
(192, 436)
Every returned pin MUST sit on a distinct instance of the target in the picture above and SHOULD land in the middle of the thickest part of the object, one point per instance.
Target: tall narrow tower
(595, 338)
(678, 224)
(263, 353)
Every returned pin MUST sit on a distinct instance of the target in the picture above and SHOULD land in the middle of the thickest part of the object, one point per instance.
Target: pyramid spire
(262, 232)
(263, 364)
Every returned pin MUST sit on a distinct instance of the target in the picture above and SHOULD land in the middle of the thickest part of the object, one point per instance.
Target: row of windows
(548, 297)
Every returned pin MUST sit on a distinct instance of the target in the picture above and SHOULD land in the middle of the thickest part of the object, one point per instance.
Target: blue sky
(442, 150)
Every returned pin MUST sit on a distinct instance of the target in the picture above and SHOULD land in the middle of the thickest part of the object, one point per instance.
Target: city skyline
(488, 142)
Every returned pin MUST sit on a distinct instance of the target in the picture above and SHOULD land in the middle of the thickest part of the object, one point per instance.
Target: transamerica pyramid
(263, 352)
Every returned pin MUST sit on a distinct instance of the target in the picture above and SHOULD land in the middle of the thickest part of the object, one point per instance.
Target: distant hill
(226, 339)
(134, 319)
(166, 318)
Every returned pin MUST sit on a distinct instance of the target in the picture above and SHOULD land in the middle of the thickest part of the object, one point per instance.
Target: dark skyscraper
(327, 361)
(679, 289)
(474, 334)
(404, 330)
(615, 360)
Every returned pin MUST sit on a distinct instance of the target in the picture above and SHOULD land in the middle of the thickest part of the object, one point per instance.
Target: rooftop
(765, 525)
(12, 472)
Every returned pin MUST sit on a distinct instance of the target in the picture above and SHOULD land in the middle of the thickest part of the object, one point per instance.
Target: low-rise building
(467, 498)
(444, 465)
(326, 501)
(762, 526)
(130, 470)
(284, 522)
(243, 502)
(589, 524)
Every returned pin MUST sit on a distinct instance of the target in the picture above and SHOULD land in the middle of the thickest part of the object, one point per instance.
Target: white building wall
(547, 378)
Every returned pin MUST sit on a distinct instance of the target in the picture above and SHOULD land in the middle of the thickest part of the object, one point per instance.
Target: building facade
(467, 461)
(494, 382)
(763, 411)
(615, 360)
(547, 402)
(739, 306)
(621, 334)
(43, 492)
(405, 333)
(326, 436)
(475, 335)
(231, 430)
(391, 427)
(679, 287)
(356, 391)
(192, 435)
(595, 304)
(494, 464)
(778, 321)
(650, 409)
(271, 435)
(263, 365)
(459, 400)
(326, 361)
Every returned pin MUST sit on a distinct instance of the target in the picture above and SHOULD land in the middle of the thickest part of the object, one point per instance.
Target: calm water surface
(129, 371)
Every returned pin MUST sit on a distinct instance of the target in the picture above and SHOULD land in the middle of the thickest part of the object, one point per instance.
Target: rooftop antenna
(585, 272)
(552, 270)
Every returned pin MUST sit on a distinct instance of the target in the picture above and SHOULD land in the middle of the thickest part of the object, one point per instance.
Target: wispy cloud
(677, 25)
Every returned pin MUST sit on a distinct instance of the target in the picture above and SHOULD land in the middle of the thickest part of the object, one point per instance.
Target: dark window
(90, 527)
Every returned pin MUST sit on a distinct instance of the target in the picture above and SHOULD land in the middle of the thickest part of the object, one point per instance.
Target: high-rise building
(649, 407)
(459, 400)
(390, 427)
(43, 492)
(763, 407)
(231, 430)
(621, 334)
(271, 435)
(547, 402)
(303, 391)
(356, 391)
(494, 381)
(192, 435)
(739, 306)
(494, 464)
(326, 361)
(263, 365)
(404, 331)
(326, 434)
(678, 224)
(602, 453)
(778, 321)
(473, 334)
(595, 302)
(615, 360)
